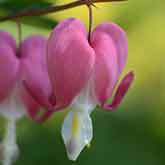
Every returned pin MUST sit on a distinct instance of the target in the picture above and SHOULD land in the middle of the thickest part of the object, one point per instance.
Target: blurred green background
(135, 133)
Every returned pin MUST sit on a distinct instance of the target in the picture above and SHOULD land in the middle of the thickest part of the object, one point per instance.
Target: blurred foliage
(9, 7)
(135, 133)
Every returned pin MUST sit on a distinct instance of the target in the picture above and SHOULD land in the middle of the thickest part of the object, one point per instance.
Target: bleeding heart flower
(37, 92)
(29, 67)
(9, 76)
(84, 74)
(24, 84)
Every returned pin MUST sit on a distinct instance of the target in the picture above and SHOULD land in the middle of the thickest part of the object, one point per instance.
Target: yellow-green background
(135, 133)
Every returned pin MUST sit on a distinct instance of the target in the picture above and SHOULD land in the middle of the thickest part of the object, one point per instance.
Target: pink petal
(35, 103)
(70, 61)
(106, 68)
(38, 87)
(6, 37)
(119, 38)
(9, 68)
(69, 24)
(120, 92)
(31, 103)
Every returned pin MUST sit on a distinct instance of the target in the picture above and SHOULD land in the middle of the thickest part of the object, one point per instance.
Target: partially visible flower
(25, 65)
(84, 74)
(36, 91)
(9, 76)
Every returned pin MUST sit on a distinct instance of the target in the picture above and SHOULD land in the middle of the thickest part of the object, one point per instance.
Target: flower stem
(51, 9)
(19, 27)
(90, 22)
(10, 147)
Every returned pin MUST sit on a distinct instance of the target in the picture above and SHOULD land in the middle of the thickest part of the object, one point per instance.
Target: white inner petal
(77, 130)
(12, 106)
(11, 151)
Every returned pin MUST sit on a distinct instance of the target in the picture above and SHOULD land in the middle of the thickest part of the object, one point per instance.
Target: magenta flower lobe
(73, 61)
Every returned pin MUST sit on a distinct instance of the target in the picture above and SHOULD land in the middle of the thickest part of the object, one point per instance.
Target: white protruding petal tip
(77, 133)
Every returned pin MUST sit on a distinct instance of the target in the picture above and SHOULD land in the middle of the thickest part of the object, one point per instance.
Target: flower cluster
(44, 76)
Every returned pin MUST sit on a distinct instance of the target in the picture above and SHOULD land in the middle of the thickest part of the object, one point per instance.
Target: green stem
(19, 28)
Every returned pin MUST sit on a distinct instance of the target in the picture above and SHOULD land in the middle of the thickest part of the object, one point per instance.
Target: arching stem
(51, 9)
(10, 152)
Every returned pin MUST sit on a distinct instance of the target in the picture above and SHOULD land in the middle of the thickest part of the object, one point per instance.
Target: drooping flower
(9, 73)
(84, 74)
(23, 72)
(36, 91)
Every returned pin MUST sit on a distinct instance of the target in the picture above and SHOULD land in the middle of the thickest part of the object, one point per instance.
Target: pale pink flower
(84, 74)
